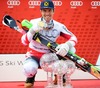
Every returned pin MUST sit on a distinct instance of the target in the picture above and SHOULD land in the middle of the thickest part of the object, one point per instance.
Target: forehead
(46, 9)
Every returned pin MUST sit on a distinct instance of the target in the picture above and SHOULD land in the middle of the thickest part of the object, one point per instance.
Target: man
(50, 28)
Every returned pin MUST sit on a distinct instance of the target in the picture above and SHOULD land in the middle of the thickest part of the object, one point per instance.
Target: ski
(23, 27)
(15, 24)
(88, 67)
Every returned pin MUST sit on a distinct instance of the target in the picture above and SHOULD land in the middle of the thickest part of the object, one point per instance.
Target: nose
(47, 13)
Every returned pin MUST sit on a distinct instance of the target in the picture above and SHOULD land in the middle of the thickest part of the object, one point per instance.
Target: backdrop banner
(82, 17)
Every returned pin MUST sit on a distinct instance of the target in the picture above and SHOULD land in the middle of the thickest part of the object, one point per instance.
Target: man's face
(47, 14)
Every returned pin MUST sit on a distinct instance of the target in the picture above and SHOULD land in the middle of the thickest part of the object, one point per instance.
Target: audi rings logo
(57, 3)
(74, 4)
(12, 3)
(95, 4)
(33, 3)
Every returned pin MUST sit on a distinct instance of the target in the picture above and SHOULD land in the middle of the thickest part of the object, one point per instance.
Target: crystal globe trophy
(59, 68)
(46, 63)
(70, 70)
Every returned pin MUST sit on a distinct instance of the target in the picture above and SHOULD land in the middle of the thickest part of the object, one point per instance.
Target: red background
(83, 21)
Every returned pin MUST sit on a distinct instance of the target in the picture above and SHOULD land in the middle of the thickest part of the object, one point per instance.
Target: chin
(47, 20)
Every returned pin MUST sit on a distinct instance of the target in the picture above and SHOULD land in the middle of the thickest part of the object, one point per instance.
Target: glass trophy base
(68, 86)
(57, 86)
(50, 86)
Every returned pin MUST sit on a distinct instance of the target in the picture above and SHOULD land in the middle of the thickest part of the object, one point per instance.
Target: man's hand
(62, 49)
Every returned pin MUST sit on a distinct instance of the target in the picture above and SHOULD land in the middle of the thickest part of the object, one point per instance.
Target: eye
(50, 10)
(43, 10)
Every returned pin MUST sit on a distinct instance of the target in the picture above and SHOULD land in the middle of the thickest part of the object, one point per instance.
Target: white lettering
(57, 3)
(76, 3)
(13, 2)
(95, 3)
(35, 3)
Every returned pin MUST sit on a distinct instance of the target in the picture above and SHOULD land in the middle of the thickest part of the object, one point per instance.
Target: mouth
(47, 18)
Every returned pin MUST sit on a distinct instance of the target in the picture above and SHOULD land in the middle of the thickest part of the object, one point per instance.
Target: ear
(40, 10)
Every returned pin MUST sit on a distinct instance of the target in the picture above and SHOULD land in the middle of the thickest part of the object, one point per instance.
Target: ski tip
(3, 20)
(4, 23)
(6, 16)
